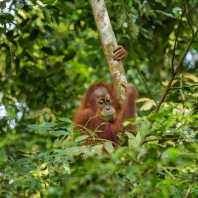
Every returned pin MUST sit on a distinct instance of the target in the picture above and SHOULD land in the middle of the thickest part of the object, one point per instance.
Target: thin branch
(139, 72)
(173, 76)
(177, 35)
(190, 25)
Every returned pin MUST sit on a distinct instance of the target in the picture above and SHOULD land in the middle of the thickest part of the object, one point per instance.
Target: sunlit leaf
(71, 151)
(109, 147)
(97, 149)
(81, 138)
(147, 105)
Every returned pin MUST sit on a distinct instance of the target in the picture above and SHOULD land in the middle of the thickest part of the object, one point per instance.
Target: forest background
(50, 53)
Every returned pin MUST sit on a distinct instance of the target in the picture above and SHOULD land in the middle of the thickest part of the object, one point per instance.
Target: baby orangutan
(100, 111)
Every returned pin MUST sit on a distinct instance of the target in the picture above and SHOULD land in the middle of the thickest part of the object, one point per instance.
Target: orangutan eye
(101, 102)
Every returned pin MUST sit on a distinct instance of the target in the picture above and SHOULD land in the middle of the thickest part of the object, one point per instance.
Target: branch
(139, 72)
(173, 76)
(108, 41)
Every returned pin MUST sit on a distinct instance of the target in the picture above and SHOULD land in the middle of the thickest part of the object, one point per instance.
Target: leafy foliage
(50, 53)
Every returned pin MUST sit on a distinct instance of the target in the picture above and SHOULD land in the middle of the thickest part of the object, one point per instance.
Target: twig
(177, 35)
(139, 72)
(173, 76)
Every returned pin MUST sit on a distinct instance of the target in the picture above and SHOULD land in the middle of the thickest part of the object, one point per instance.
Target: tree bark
(108, 40)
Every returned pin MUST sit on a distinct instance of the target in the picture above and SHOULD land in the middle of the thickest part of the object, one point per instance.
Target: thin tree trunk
(108, 40)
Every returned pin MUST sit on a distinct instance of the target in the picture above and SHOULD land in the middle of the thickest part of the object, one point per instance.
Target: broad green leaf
(47, 15)
(64, 9)
(71, 151)
(130, 3)
(133, 29)
(138, 138)
(120, 16)
(43, 127)
(3, 158)
(130, 135)
(81, 138)
(65, 120)
(19, 5)
(97, 149)
(11, 112)
(60, 132)
(109, 147)
(134, 141)
(193, 147)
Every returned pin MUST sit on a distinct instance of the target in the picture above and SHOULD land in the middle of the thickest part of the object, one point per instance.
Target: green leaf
(65, 120)
(43, 127)
(130, 135)
(97, 149)
(63, 8)
(109, 147)
(81, 138)
(3, 158)
(134, 141)
(133, 29)
(11, 112)
(130, 3)
(193, 147)
(71, 151)
(47, 15)
(120, 16)
(19, 5)
(59, 133)
(163, 13)
(138, 138)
